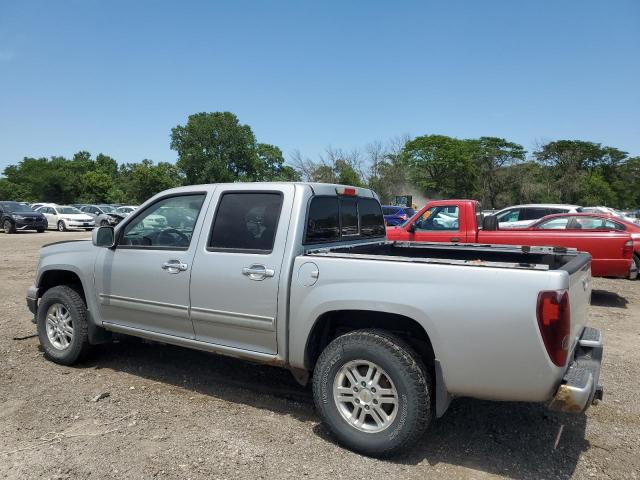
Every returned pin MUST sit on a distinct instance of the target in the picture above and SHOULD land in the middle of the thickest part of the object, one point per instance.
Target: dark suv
(16, 216)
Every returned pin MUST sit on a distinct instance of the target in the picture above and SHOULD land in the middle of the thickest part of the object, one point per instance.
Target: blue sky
(116, 76)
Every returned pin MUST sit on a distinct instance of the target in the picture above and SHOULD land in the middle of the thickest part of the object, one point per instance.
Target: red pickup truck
(461, 221)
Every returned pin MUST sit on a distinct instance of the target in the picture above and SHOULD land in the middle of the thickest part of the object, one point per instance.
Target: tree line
(216, 147)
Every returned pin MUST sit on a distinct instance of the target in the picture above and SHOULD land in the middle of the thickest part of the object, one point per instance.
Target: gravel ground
(177, 413)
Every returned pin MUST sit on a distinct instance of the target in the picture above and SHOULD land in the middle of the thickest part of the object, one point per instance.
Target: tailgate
(579, 270)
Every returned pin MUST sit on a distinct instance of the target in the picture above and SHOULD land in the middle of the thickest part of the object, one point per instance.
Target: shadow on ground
(512, 439)
(604, 298)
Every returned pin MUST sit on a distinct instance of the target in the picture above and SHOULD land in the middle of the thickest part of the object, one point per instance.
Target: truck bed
(473, 255)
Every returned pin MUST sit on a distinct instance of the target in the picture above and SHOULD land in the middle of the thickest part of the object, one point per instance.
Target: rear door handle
(174, 266)
(258, 272)
(454, 239)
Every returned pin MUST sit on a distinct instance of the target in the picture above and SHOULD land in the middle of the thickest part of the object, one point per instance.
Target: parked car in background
(610, 211)
(460, 221)
(65, 217)
(595, 221)
(395, 215)
(36, 206)
(17, 216)
(126, 209)
(104, 214)
(300, 276)
(520, 216)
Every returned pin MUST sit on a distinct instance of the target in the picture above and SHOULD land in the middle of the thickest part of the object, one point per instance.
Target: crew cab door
(143, 283)
(236, 271)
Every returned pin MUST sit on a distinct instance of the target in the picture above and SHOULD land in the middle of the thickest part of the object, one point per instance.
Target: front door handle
(454, 239)
(258, 272)
(174, 266)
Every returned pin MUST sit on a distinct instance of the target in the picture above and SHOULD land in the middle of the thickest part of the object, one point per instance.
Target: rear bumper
(580, 388)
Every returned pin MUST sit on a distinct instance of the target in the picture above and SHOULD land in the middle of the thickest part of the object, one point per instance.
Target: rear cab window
(335, 219)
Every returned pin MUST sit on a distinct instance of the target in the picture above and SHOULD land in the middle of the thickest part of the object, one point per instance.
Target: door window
(595, 223)
(509, 216)
(167, 224)
(554, 224)
(443, 218)
(246, 222)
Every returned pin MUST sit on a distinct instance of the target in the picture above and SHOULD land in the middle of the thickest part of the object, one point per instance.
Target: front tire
(61, 226)
(62, 325)
(8, 227)
(373, 392)
(40, 230)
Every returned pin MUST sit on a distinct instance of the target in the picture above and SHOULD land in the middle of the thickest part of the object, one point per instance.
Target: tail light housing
(554, 322)
(627, 250)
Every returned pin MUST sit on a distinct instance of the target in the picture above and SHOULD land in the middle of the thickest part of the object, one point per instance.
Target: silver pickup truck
(300, 275)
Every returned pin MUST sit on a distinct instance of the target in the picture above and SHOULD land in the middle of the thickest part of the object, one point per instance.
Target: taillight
(347, 191)
(554, 321)
(627, 250)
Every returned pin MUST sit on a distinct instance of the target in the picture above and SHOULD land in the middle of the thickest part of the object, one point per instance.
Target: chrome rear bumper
(579, 388)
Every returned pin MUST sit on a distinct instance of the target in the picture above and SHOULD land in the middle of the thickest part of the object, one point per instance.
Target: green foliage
(442, 166)
(216, 147)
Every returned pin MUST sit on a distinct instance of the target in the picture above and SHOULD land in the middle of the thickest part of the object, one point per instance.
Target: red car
(596, 221)
(457, 221)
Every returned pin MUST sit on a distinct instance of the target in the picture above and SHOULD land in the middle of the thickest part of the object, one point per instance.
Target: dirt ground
(177, 413)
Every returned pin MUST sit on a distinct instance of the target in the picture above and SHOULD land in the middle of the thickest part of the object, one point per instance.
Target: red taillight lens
(347, 191)
(627, 250)
(554, 321)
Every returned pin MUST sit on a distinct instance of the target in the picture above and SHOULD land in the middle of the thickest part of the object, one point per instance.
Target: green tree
(492, 156)
(143, 180)
(441, 165)
(215, 147)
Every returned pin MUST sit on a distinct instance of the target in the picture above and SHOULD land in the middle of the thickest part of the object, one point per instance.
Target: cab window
(167, 224)
(246, 222)
(442, 218)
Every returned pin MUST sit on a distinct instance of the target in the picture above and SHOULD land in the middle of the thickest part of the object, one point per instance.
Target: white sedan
(63, 217)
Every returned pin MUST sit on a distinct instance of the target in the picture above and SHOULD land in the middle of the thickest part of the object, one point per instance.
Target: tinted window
(323, 220)
(332, 218)
(349, 217)
(155, 227)
(371, 220)
(246, 221)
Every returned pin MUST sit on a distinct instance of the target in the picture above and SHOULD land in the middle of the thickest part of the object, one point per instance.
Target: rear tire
(61, 226)
(63, 329)
(341, 398)
(636, 260)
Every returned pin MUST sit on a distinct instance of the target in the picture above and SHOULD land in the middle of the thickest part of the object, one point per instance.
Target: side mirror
(490, 223)
(411, 228)
(103, 237)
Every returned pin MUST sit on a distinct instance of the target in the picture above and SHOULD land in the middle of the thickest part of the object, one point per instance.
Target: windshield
(68, 210)
(16, 207)
(107, 208)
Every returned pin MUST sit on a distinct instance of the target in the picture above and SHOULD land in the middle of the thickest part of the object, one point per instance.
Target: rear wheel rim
(59, 326)
(365, 396)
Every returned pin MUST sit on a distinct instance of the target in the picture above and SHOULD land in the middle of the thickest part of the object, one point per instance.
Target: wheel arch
(334, 323)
